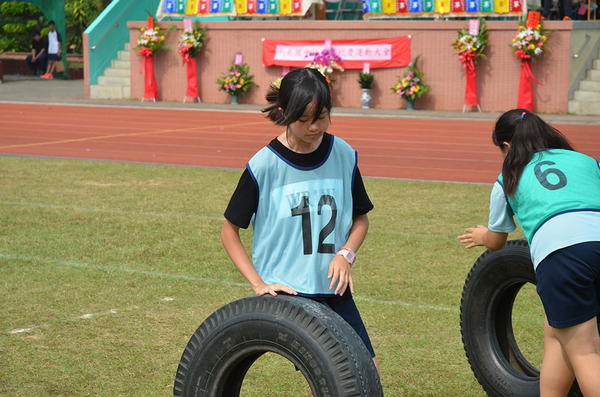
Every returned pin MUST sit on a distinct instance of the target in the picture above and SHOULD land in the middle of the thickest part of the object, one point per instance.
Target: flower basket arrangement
(190, 43)
(529, 43)
(470, 47)
(236, 81)
(152, 40)
(411, 86)
(326, 62)
(149, 43)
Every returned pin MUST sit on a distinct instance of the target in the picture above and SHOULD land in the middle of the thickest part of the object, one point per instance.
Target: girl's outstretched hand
(273, 289)
(339, 272)
(474, 236)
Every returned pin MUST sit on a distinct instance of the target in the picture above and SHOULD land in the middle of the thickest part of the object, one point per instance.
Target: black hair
(526, 133)
(51, 23)
(37, 33)
(297, 90)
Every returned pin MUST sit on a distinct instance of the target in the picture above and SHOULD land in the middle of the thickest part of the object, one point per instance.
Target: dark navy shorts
(53, 57)
(349, 312)
(568, 283)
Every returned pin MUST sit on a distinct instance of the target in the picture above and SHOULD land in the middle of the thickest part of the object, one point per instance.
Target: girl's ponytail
(527, 134)
(272, 110)
(299, 88)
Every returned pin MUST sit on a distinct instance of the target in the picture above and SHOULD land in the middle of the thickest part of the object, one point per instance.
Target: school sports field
(110, 254)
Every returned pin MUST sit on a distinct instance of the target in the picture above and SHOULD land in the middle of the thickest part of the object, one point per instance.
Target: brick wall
(497, 77)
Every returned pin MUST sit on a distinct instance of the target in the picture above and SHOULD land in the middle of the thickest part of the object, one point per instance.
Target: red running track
(432, 150)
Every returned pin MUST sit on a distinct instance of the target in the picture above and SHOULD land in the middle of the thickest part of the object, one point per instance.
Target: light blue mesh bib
(555, 182)
(303, 217)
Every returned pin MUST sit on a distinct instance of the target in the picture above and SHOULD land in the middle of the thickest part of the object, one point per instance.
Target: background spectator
(37, 61)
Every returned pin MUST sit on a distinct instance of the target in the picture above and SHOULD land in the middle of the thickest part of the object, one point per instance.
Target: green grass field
(107, 269)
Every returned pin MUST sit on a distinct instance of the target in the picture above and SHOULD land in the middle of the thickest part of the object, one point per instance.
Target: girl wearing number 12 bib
(304, 195)
(554, 193)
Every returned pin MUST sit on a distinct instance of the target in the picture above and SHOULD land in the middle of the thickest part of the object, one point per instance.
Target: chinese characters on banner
(263, 8)
(378, 53)
(381, 9)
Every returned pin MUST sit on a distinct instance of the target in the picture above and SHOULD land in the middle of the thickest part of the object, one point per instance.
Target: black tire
(486, 322)
(321, 344)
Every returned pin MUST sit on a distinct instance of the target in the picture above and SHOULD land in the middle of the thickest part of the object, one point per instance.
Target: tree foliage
(19, 21)
(80, 14)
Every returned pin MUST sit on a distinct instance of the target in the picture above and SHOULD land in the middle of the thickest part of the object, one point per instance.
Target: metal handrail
(587, 40)
(113, 26)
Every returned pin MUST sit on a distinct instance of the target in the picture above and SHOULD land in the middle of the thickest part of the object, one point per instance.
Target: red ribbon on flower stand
(192, 77)
(150, 86)
(468, 61)
(526, 84)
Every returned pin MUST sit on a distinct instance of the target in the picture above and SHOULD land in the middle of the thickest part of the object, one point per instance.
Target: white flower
(537, 51)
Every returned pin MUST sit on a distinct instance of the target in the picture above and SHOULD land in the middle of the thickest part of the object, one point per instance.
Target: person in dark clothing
(566, 4)
(38, 58)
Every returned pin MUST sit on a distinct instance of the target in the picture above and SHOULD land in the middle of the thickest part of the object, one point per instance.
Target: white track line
(111, 211)
(176, 215)
(205, 280)
(83, 265)
(86, 316)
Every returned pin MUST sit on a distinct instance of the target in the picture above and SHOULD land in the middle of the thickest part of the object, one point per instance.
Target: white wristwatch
(348, 255)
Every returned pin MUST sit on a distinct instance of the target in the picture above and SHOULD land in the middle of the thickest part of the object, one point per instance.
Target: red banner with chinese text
(379, 53)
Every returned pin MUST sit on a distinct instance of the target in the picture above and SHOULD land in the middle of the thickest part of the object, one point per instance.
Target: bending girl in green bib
(304, 195)
(554, 193)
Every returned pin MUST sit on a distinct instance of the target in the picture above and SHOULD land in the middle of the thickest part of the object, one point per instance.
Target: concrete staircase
(586, 100)
(116, 82)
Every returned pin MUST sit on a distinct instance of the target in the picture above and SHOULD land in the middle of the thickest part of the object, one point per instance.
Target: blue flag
(215, 6)
(415, 6)
(262, 6)
(169, 6)
(473, 6)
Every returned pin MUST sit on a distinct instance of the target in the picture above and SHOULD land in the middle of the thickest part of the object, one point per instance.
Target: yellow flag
(388, 6)
(442, 6)
(501, 6)
(285, 7)
(241, 6)
(192, 7)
